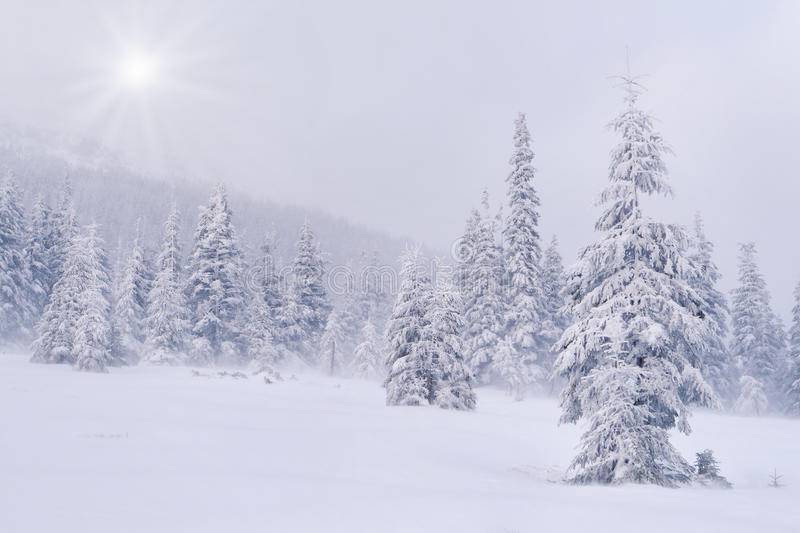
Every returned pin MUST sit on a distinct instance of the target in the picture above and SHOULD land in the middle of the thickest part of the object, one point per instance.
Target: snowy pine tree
(716, 364)
(409, 380)
(95, 344)
(707, 470)
(76, 325)
(311, 305)
(752, 399)
(353, 314)
(130, 309)
(166, 323)
(511, 371)
(367, 361)
(525, 296)
(425, 362)
(464, 254)
(39, 254)
(18, 295)
(793, 389)
(556, 316)
(56, 326)
(637, 324)
(272, 331)
(331, 345)
(756, 340)
(66, 227)
(441, 335)
(485, 313)
(268, 286)
(215, 286)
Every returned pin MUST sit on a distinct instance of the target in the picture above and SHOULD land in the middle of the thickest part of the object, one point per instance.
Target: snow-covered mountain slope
(161, 449)
(115, 195)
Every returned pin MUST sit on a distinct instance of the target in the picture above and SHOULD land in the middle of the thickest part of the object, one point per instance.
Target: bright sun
(138, 71)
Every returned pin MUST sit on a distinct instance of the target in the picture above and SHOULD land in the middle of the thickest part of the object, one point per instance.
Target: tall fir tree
(66, 227)
(353, 313)
(628, 353)
(166, 322)
(716, 362)
(485, 315)
(464, 255)
(95, 344)
(266, 308)
(752, 398)
(556, 315)
(367, 362)
(372, 302)
(793, 385)
(215, 285)
(130, 308)
(525, 296)
(268, 285)
(56, 326)
(331, 345)
(425, 363)
(442, 338)
(756, 343)
(409, 379)
(38, 254)
(76, 326)
(311, 304)
(18, 295)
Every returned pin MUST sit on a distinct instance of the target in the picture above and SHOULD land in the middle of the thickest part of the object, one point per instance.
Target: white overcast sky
(397, 114)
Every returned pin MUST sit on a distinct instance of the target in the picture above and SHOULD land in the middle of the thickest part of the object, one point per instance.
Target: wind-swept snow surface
(160, 449)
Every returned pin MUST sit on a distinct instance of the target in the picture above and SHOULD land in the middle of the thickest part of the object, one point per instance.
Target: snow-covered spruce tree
(752, 399)
(18, 296)
(444, 347)
(464, 255)
(38, 255)
(793, 385)
(556, 315)
(215, 286)
(372, 291)
(484, 318)
(510, 370)
(637, 325)
(409, 380)
(166, 322)
(265, 311)
(756, 342)
(268, 285)
(706, 469)
(56, 326)
(525, 297)
(130, 309)
(264, 355)
(65, 228)
(311, 305)
(79, 303)
(95, 344)
(274, 331)
(331, 345)
(367, 360)
(352, 315)
(425, 361)
(716, 363)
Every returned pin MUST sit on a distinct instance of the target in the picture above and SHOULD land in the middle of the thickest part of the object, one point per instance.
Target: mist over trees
(630, 337)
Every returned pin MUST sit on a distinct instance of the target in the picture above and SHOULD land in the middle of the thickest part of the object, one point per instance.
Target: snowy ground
(157, 449)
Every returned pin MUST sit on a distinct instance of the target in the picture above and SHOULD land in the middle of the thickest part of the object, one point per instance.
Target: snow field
(157, 449)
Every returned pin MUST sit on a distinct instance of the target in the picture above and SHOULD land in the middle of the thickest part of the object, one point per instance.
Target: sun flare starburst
(138, 70)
